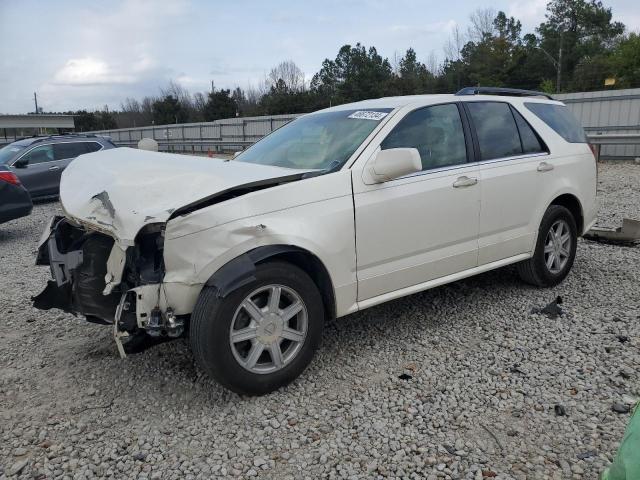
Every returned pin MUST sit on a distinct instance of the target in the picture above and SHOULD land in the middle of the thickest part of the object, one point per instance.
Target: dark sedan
(15, 201)
(39, 161)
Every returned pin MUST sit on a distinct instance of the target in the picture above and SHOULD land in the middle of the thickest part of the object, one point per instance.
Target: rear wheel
(262, 335)
(555, 249)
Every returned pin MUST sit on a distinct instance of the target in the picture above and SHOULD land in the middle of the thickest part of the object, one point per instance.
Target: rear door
(40, 174)
(511, 159)
(65, 152)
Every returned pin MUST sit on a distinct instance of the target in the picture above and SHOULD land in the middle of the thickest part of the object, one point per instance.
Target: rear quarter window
(560, 119)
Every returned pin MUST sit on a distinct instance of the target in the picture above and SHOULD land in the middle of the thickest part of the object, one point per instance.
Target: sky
(89, 53)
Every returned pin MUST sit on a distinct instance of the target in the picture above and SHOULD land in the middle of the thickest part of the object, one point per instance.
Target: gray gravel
(483, 380)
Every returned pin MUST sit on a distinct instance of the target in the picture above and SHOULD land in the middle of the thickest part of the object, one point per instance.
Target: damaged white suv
(337, 211)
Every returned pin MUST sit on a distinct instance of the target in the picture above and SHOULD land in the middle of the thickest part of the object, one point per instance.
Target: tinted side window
(435, 131)
(497, 132)
(560, 119)
(41, 154)
(68, 150)
(531, 143)
(91, 147)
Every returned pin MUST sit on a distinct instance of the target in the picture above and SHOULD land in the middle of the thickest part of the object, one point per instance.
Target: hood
(121, 190)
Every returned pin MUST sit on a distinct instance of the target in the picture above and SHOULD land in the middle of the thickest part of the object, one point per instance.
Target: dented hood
(118, 191)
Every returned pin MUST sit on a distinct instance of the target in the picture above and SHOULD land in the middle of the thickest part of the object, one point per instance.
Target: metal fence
(605, 115)
(220, 136)
(608, 114)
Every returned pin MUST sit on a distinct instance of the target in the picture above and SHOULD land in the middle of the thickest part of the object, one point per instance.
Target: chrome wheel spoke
(252, 309)
(291, 311)
(276, 354)
(254, 354)
(293, 335)
(548, 248)
(550, 260)
(248, 333)
(274, 298)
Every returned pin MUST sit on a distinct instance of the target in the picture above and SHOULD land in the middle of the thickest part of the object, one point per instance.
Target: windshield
(322, 141)
(8, 152)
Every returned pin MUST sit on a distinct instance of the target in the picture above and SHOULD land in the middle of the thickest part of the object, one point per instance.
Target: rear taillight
(594, 150)
(9, 177)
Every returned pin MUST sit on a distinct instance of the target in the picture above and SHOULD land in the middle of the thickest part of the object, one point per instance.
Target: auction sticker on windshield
(368, 115)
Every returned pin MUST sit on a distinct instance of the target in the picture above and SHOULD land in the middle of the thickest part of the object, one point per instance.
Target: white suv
(339, 210)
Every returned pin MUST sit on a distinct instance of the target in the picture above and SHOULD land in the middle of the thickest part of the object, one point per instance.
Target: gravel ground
(462, 381)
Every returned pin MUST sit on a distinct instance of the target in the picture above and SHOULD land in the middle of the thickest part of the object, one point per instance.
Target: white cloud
(89, 71)
(529, 12)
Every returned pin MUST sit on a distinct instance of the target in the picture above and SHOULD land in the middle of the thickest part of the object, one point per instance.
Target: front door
(423, 226)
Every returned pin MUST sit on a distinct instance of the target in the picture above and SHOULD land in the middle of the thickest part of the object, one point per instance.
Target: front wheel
(262, 335)
(555, 249)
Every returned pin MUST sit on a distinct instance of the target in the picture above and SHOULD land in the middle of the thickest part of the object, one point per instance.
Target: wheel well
(572, 204)
(316, 270)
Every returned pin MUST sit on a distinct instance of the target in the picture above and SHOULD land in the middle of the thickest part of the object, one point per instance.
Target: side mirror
(394, 163)
(22, 163)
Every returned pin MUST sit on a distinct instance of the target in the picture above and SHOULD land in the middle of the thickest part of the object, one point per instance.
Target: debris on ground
(561, 410)
(621, 408)
(405, 376)
(552, 310)
(627, 234)
(588, 454)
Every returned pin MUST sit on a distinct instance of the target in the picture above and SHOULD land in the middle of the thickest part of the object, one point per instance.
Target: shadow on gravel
(14, 230)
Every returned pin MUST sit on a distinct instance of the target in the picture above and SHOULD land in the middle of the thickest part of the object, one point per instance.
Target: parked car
(337, 211)
(15, 201)
(39, 161)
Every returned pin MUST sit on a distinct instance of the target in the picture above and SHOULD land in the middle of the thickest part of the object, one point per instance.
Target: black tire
(210, 328)
(534, 270)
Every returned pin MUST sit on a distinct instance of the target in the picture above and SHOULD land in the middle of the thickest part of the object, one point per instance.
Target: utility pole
(35, 99)
(559, 79)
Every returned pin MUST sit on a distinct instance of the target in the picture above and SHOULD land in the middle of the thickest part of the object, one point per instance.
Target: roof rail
(512, 92)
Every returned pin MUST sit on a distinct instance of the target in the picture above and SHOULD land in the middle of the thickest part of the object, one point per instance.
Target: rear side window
(436, 132)
(531, 142)
(69, 150)
(496, 129)
(560, 119)
(91, 147)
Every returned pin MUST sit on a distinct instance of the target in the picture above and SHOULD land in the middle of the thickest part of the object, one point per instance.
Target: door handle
(465, 181)
(545, 167)
(55, 167)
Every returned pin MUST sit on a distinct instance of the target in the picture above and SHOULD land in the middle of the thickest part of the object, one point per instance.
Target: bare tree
(481, 24)
(432, 64)
(454, 44)
(290, 74)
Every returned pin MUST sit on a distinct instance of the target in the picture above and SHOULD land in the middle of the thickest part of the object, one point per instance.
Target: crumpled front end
(94, 276)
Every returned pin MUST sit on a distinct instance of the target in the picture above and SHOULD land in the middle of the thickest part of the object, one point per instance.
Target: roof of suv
(25, 142)
(466, 94)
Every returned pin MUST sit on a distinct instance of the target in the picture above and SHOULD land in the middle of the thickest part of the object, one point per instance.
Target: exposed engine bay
(79, 260)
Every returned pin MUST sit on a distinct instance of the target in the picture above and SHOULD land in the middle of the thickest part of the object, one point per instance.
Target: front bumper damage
(94, 276)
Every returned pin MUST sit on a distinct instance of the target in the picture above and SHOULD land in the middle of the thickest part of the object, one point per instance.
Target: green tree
(625, 61)
(168, 110)
(355, 74)
(413, 76)
(582, 29)
(219, 105)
